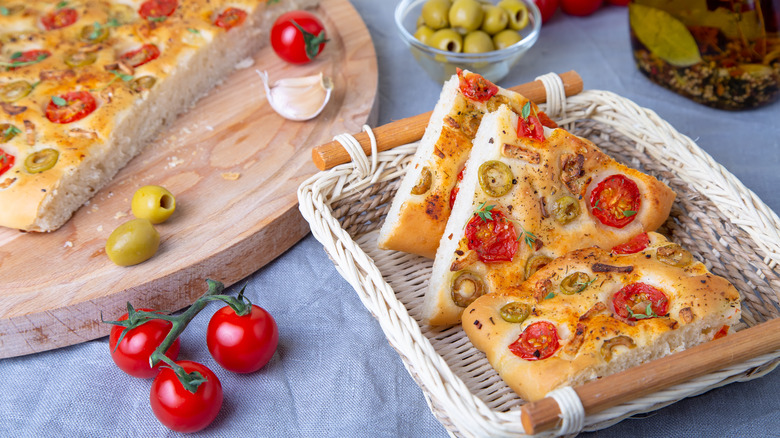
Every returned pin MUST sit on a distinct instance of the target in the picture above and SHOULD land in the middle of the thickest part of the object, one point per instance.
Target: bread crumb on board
(68, 244)
(120, 215)
(231, 176)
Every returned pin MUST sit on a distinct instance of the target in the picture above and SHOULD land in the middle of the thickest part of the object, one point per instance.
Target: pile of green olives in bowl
(486, 37)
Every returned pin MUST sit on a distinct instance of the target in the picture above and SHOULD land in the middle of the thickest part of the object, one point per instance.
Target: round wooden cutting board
(234, 166)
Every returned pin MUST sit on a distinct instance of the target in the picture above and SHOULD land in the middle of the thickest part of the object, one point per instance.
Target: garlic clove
(298, 98)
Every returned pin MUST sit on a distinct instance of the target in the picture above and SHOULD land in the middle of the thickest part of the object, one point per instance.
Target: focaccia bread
(418, 214)
(86, 84)
(526, 199)
(592, 313)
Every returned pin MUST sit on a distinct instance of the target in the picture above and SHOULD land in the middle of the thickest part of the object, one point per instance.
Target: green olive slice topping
(143, 83)
(674, 255)
(93, 33)
(566, 209)
(14, 91)
(515, 312)
(610, 344)
(41, 160)
(495, 178)
(80, 59)
(424, 183)
(7, 132)
(575, 283)
(535, 263)
(466, 287)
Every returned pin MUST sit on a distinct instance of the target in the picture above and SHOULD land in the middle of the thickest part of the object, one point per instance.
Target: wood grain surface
(53, 286)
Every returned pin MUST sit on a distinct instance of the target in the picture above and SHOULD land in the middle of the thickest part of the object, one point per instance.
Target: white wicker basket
(715, 216)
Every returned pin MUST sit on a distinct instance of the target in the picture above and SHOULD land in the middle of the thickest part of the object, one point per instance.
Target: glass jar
(721, 53)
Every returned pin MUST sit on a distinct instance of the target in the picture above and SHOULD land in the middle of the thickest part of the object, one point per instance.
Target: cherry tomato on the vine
(180, 410)
(298, 37)
(547, 8)
(242, 344)
(132, 355)
(580, 8)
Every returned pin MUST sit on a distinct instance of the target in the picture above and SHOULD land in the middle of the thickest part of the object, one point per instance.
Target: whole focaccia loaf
(527, 198)
(85, 84)
(592, 313)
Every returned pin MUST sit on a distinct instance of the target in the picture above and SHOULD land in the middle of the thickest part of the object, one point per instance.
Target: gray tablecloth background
(334, 373)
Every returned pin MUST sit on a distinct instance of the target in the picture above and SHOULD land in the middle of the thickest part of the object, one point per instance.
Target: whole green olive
(495, 178)
(435, 14)
(42, 160)
(133, 242)
(154, 203)
(424, 34)
(466, 15)
(506, 38)
(515, 312)
(518, 13)
(446, 39)
(477, 42)
(13, 91)
(495, 19)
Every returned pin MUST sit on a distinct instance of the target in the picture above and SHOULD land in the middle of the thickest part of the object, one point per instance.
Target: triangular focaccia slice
(524, 201)
(422, 205)
(592, 313)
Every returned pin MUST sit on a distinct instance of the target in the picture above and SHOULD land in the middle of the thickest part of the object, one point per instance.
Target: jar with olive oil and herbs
(721, 53)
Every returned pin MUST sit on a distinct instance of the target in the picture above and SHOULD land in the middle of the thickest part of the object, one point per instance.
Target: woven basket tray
(720, 221)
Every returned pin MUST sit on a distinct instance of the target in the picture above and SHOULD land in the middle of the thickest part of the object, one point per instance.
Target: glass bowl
(440, 64)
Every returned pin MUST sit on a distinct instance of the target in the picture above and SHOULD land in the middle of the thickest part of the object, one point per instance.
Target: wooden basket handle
(659, 374)
(410, 129)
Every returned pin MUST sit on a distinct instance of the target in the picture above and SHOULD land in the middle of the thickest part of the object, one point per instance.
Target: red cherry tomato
(636, 244)
(140, 56)
(156, 9)
(28, 57)
(456, 189)
(242, 344)
(180, 410)
(618, 2)
(615, 201)
(59, 18)
(580, 8)
(636, 297)
(494, 239)
(70, 107)
(538, 341)
(230, 18)
(547, 8)
(132, 355)
(298, 37)
(475, 87)
(6, 160)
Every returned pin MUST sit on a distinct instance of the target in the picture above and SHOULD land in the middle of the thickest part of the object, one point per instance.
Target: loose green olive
(446, 39)
(506, 38)
(495, 178)
(518, 13)
(13, 91)
(515, 312)
(575, 283)
(495, 19)
(566, 209)
(424, 183)
(93, 33)
(435, 14)
(154, 203)
(424, 34)
(7, 132)
(466, 15)
(42, 160)
(143, 83)
(477, 42)
(80, 59)
(674, 255)
(466, 287)
(132, 242)
(536, 263)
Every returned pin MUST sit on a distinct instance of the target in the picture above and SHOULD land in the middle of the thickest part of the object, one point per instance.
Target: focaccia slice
(418, 215)
(592, 313)
(524, 201)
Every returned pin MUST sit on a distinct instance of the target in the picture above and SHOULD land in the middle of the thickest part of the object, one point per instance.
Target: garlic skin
(298, 99)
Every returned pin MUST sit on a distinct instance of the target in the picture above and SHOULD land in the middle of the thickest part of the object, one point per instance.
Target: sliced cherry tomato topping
(456, 189)
(538, 341)
(529, 125)
(632, 301)
(230, 18)
(721, 333)
(492, 237)
(70, 107)
(157, 9)
(615, 201)
(20, 59)
(6, 161)
(475, 87)
(636, 244)
(139, 57)
(546, 120)
(59, 18)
